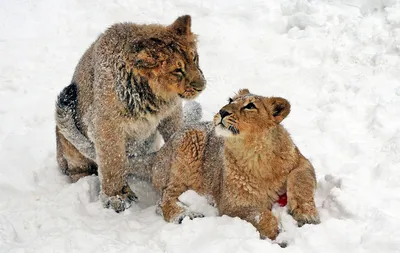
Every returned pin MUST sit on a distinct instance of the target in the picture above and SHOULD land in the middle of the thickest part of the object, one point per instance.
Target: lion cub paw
(187, 213)
(305, 214)
(267, 225)
(119, 202)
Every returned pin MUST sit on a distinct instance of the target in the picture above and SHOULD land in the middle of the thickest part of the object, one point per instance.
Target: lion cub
(128, 85)
(244, 160)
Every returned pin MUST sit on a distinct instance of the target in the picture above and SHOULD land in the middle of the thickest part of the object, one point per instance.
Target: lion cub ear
(182, 25)
(243, 92)
(280, 108)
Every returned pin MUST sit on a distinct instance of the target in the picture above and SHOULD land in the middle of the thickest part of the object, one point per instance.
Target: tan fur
(244, 170)
(129, 85)
(71, 161)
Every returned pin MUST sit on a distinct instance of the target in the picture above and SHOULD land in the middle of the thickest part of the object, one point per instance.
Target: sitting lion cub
(243, 161)
(128, 85)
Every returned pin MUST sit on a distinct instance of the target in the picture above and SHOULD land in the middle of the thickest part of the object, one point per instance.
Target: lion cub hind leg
(71, 161)
(300, 191)
(186, 173)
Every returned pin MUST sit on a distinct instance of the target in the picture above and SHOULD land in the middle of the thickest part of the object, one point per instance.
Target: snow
(336, 61)
(197, 203)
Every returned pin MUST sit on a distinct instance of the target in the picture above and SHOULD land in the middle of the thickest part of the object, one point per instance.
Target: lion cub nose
(224, 113)
(198, 85)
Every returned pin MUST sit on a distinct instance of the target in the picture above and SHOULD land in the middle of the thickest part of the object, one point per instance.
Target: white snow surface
(336, 61)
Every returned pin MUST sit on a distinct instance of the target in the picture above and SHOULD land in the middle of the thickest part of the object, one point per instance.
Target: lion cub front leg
(263, 220)
(172, 209)
(186, 173)
(300, 191)
(266, 223)
(111, 158)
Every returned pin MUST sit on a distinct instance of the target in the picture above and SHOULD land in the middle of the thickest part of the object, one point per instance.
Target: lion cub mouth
(222, 129)
(190, 93)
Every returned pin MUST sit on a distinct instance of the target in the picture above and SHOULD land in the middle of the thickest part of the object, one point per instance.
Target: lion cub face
(181, 74)
(168, 58)
(250, 114)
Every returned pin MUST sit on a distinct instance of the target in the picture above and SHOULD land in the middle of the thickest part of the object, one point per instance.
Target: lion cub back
(193, 158)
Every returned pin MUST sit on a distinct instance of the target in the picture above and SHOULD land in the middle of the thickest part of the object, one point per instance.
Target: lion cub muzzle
(194, 88)
(226, 123)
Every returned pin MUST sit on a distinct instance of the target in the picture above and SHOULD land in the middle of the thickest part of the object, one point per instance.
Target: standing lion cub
(128, 85)
(244, 161)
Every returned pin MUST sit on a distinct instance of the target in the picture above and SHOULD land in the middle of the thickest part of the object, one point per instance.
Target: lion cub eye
(230, 100)
(250, 106)
(178, 72)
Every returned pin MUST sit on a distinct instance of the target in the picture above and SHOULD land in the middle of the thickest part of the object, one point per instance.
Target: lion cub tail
(66, 114)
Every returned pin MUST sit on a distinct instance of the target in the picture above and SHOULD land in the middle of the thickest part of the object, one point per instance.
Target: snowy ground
(337, 62)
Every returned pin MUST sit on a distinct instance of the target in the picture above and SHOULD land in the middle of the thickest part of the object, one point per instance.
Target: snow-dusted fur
(192, 112)
(143, 153)
(127, 85)
(66, 107)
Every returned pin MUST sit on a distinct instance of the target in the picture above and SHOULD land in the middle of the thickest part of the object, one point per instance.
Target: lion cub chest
(141, 128)
(257, 181)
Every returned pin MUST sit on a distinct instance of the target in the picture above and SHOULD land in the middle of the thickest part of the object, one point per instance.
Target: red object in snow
(282, 201)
